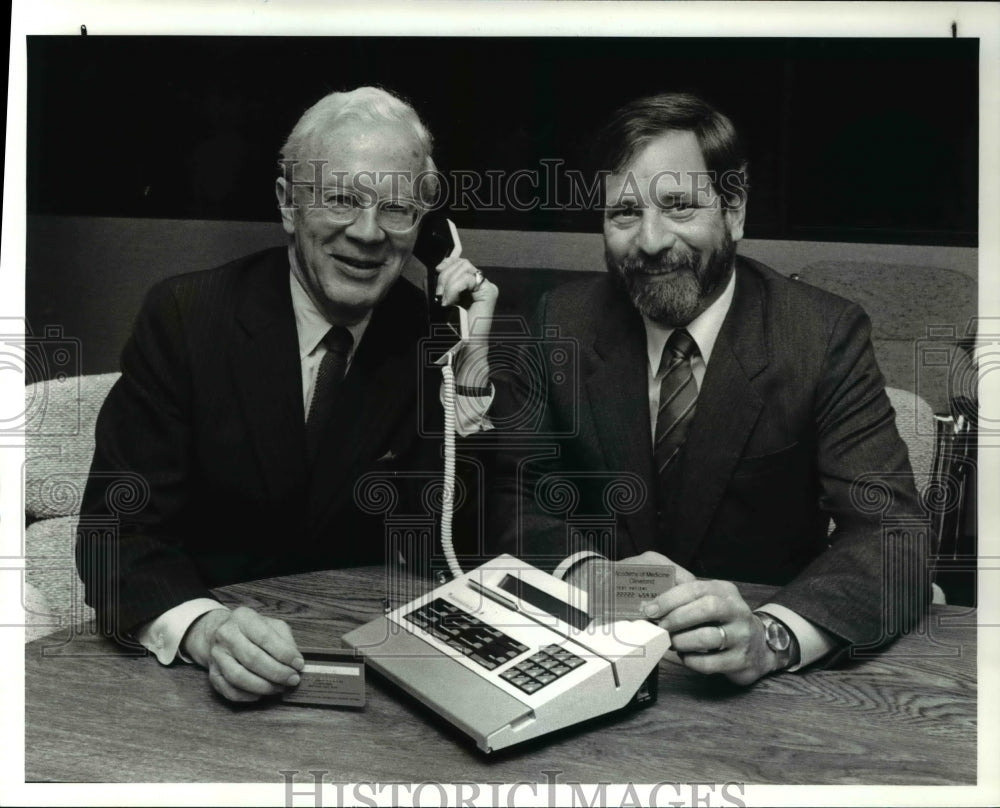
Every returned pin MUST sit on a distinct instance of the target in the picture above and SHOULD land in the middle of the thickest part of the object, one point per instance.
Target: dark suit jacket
(209, 411)
(792, 411)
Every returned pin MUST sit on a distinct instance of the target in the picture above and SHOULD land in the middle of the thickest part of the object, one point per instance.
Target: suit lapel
(267, 373)
(727, 410)
(617, 391)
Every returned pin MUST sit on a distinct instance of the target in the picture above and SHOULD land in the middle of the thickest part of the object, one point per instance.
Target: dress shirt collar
(704, 329)
(310, 323)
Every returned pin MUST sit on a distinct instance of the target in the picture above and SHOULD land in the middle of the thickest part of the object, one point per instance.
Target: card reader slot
(489, 594)
(548, 603)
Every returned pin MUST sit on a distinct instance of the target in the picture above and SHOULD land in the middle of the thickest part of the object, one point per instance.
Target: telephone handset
(438, 239)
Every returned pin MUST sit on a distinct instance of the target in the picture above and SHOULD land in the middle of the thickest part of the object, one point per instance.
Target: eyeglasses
(392, 215)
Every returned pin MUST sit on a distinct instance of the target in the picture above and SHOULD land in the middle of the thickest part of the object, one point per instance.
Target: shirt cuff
(472, 412)
(569, 562)
(814, 642)
(162, 636)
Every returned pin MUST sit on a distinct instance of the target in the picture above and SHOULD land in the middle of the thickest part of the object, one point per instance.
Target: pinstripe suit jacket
(209, 411)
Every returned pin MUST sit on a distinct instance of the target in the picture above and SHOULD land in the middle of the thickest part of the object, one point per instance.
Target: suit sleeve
(129, 550)
(871, 583)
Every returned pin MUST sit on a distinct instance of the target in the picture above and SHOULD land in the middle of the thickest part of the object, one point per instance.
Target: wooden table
(906, 717)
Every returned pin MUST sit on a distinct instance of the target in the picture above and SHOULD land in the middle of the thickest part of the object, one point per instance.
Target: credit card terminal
(507, 653)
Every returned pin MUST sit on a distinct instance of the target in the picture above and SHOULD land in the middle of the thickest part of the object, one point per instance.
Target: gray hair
(369, 104)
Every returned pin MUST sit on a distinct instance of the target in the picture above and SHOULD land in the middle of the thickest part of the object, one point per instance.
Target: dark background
(861, 140)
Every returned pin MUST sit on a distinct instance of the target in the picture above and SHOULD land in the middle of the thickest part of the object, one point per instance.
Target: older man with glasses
(254, 396)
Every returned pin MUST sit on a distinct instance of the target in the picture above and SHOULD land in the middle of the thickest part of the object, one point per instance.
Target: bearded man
(738, 408)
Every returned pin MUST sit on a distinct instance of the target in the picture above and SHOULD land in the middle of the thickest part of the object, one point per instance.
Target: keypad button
(463, 632)
(498, 656)
(530, 686)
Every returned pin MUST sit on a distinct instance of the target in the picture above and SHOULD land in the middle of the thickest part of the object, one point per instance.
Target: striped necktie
(332, 367)
(678, 393)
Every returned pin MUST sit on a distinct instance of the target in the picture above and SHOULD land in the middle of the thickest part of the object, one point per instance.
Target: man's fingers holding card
(713, 629)
(694, 602)
(226, 689)
(331, 678)
(618, 590)
(271, 639)
(247, 654)
(707, 639)
(239, 676)
(634, 584)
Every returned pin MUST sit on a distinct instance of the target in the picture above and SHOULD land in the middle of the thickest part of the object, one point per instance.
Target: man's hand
(455, 277)
(595, 576)
(714, 631)
(458, 275)
(247, 655)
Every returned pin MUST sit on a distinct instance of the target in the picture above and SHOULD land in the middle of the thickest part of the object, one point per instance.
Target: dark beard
(686, 289)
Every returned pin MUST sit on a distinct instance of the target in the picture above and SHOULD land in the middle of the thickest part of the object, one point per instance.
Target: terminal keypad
(482, 643)
(541, 668)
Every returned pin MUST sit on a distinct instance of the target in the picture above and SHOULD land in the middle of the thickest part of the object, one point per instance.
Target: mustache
(656, 265)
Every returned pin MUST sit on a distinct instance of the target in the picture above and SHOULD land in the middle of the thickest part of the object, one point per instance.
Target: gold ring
(722, 639)
(479, 280)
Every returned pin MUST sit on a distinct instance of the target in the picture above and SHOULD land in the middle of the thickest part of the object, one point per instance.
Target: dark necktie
(678, 393)
(338, 342)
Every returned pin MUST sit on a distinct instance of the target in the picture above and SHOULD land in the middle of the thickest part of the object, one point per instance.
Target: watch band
(477, 392)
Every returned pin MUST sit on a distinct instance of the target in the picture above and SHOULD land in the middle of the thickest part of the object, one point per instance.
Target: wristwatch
(780, 640)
